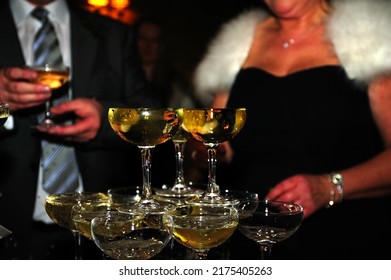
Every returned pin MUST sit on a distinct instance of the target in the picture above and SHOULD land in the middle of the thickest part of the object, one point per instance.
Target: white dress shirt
(27, 26)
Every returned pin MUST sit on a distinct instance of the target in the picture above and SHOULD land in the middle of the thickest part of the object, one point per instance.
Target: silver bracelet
(332, 196)
(336, 179)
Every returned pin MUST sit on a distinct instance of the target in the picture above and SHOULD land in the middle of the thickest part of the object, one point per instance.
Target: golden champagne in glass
(54, 77)
(59, 209)
(84, 212)
(4, 113)
(213, 127)
(203, 228)
(131, 235)
(145, 128)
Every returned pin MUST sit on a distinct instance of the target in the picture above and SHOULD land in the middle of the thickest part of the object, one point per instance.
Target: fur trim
(225, 56)
(359, 30)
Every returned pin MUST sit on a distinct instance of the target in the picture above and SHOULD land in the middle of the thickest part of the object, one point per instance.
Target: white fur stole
(359, 30)
(225, 55)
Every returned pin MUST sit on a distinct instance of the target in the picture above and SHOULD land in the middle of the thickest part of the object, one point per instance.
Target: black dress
(312, 121)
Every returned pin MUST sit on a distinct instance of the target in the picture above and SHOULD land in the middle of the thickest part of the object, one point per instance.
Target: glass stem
(48, 115)
(200, 255)
(213, 188)
(179, 156)
(77, 238)
(146, 158)
(266, 251)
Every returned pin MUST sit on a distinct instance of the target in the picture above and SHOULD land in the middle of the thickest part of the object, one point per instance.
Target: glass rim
(144, 108)
(110, 214)
(48, 67)
(216, 109)
(297, 207)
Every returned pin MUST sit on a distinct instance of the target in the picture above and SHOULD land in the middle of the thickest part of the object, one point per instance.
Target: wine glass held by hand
(4, 113)
(54, 77)
(213, 127)
(202, 228)
(270, 223)
(145, 128)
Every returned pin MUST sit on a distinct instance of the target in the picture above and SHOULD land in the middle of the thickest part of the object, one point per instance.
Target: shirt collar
(21, 9)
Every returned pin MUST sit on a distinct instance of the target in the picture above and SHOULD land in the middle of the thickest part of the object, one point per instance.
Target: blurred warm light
(98, 3)
(119, 4)
(117, 9)
(116, 4)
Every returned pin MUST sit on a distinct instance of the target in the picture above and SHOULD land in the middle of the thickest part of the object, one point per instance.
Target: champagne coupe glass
(271, 222)
(59, 209)
(54, 77)
(131, 235)
(124, 197)
(180, 188)
(4, 113)
(84, 212)
(202, 228)
(145, 128)
(82, 215)
(213, 127)
(247, 201)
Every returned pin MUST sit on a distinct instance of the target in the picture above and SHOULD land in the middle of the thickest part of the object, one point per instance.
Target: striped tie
(46, 46)
(59, 167)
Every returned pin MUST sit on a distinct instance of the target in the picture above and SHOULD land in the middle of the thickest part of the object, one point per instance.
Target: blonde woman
(315, 78)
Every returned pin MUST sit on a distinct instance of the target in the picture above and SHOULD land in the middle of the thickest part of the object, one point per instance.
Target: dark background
(190, 25)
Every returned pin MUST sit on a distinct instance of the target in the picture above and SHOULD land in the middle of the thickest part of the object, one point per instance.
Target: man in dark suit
(105, 72)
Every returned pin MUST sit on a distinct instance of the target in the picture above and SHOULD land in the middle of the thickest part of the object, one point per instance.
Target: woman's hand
(310, 191)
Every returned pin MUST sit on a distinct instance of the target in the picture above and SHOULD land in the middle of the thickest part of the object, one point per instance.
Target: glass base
(178, 191)
(44, 126)
(148, 207)
(176, 196)
(212, 200)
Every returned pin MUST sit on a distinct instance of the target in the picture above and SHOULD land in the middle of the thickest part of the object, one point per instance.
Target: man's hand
(18, 91)
(88, 114)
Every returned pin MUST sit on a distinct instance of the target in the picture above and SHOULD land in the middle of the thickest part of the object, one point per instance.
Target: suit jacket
(105, 66)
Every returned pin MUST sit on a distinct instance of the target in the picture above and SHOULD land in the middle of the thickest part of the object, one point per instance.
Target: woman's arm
(369, 179)
(374, 176)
